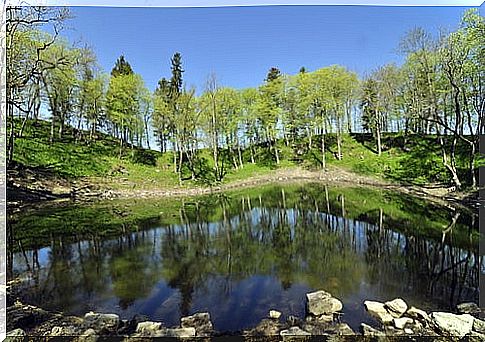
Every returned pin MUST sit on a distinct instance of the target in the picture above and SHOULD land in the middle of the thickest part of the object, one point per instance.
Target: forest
(437, 95)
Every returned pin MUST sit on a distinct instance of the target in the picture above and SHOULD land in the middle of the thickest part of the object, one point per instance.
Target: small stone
(378, 311)
(344, 329)
(105, 323)
(16, 335)
(201, 322)
(479, 326)
(148, 328)
(180, 332)
(468, 308)
(294, 331)
(400, 323)
(408, 331)
(367, 330)
(418, 314)
(88, 336)
(321, 302)
(274, 314)
(455, 325)
(396, 307)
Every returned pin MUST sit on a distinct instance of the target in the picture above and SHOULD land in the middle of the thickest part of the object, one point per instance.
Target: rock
(88, 336)
(321, 302)
(418, 314)
(378, 311)
(294, 331)
(16, 335)
(130, 326)
(400, 323)
(479, 326)
(274, 314)
(367, 330)
(396, 307)
(468, 308)
(344, 329)
(148, 328)
(201, 322)
(102, 323)
(408, 331)
(267, 327)
(63, 331)
(475, 337)
(455, 325)
(180, 332)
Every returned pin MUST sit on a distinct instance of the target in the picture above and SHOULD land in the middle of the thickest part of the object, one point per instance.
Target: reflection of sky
(234, 304)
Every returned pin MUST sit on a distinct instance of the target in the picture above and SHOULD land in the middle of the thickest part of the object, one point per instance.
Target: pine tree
(122, 67)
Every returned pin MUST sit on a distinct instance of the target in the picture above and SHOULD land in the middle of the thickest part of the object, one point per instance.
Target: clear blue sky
(240, 44)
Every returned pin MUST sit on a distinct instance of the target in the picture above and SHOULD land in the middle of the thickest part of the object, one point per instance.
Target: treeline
(439, 91)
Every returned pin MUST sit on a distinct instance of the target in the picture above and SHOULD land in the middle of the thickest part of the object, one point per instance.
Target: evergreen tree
(122, 67)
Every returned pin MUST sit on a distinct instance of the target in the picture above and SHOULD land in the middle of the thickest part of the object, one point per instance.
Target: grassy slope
(149, 169)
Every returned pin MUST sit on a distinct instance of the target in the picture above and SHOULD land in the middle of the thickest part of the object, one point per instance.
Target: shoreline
(86, 190)
(322, 318)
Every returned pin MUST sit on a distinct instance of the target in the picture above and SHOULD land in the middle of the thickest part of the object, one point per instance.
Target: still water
(238, 255)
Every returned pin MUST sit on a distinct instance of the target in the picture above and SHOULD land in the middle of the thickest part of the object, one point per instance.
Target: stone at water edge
(15, 335)
(418, 314)
(468, 308)
(321, 302)
(408, 331)
(455, 325)
(367, 330)
(180, 332)
(294, 331)
(396, 307)
(378, 311)
(148, 328)
(400, 323)
(102, 322)
(201, 322)
(274, 314)
(479, 326)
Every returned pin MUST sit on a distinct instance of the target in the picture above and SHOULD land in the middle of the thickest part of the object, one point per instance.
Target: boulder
(267, 327)
(321, 302)
(408, 331)
(274, 314)
(400, 323)
(418, 314)
(201, 322)
(468, 308)
(396, 307)
(102, 323)
(451, 324)
(344, 329)
(479, 326)
(378, 311)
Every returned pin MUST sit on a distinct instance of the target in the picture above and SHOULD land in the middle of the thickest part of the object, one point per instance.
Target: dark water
(239, 255)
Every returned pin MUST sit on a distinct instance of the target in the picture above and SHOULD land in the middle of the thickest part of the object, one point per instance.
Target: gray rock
(396, 307)
(201, 322)
(274, 314)
(475, 337)
(321, 302)
(103, 323)
(294, 331)
(400, 323)
(64, 331)
(418, 314)
(180, 332)
(479, 326)
(267, 327)
(148, 328)
(367, 330)
(344, 329)
(408, 331)
(468, 308)
(88, 336)
(378, 311)
(451, 324)
(16, 335)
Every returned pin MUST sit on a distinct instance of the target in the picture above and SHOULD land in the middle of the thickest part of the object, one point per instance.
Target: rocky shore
(394, 320)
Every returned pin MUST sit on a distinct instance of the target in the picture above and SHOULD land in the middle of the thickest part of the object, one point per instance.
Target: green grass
(146, 169)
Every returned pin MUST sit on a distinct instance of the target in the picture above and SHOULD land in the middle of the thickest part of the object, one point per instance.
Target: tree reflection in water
(249, 252)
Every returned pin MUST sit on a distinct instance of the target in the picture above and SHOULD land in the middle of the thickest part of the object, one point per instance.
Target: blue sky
(240, 44)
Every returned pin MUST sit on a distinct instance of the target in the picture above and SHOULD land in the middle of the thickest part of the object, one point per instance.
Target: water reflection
(257, 253)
